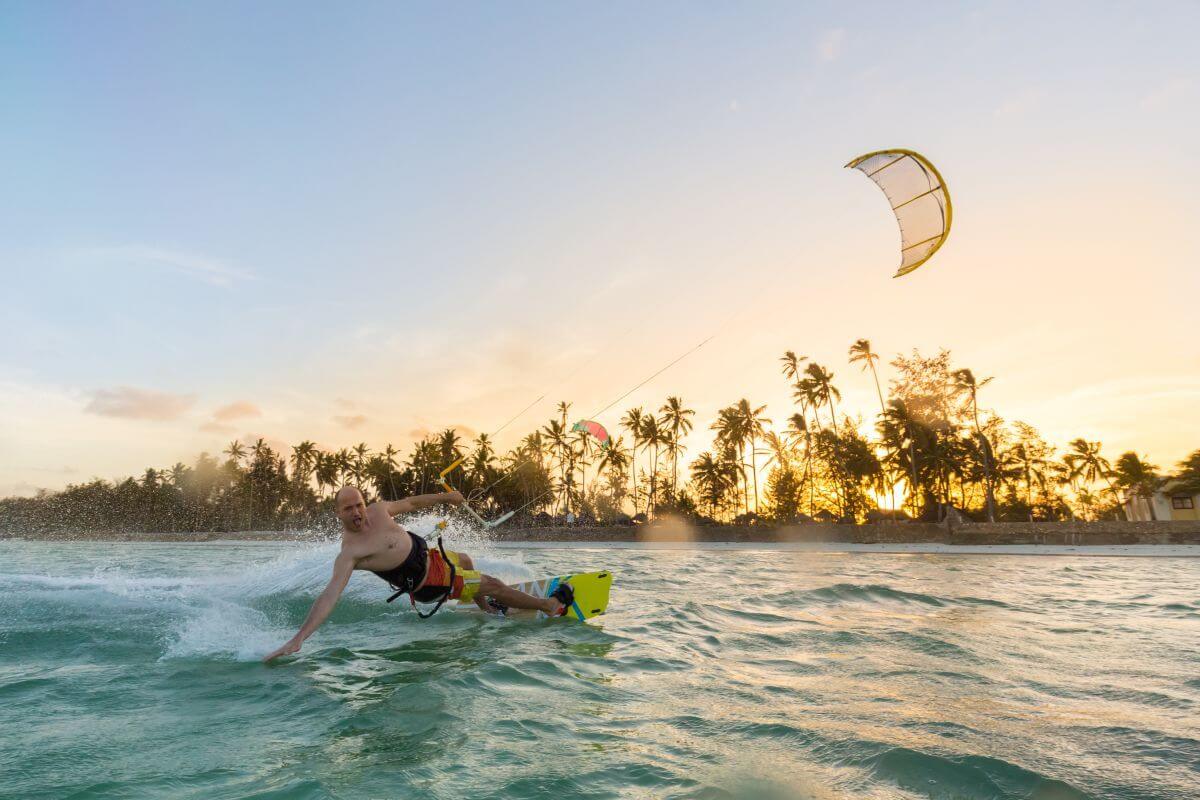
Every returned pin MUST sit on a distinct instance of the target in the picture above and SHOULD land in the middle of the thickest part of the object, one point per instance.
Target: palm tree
(655, 436)
(345, 465)
(557, 434)
(178, 474)
(388, 456)
(791, 365)
(613, 457)
(482, 459)
(752, 425)
(448, 446)
(583, 439)
(1032, 467)
(302, 461)
(713, 478)
(1086, 463)
(807, 395)
(798, 429)
(1087, 501)
(536, 448)
(899, 432)
(1139, 478)
(965, 383)
(1189, 473)
(677, 419)
(325, 470)
(632, 422)
(236, 451)
(358, 464)
(820, 389)
(731, 433)
(861, 353)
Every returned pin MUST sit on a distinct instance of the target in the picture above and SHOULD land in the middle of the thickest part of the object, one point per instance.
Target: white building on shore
(1170, 502)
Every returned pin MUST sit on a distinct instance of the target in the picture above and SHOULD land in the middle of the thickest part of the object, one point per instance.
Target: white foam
(228, 613)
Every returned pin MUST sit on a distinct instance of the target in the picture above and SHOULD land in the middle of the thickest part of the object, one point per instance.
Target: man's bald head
(351, 508)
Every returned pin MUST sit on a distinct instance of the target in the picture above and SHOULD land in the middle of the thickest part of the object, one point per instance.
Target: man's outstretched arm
(343, 567)
(417, 502)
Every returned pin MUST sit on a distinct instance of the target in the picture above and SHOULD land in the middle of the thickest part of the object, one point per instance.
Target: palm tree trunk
(633, 478)
(754, 472)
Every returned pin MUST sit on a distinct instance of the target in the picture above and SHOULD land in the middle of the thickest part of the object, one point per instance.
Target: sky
(363, 223)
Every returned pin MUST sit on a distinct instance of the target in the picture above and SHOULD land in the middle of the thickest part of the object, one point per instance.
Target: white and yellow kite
(918, 196)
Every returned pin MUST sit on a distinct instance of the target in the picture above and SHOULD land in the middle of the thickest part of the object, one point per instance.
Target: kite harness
(408, 576)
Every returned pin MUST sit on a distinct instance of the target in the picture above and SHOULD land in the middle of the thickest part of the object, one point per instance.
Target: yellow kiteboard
(591, 594)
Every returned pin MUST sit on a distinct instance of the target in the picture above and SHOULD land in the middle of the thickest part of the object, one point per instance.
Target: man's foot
(494, 606)
(564, 594)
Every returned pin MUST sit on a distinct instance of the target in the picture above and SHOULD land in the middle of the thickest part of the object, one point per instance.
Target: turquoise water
(130, 671)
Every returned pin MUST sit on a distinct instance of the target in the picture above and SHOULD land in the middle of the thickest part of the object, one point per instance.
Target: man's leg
(505, 594)
(514, 598)
(480, 598)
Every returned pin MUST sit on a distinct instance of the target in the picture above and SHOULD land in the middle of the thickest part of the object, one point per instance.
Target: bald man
(371, 540)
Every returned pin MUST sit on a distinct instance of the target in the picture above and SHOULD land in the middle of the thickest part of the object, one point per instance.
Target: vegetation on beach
(932, 445)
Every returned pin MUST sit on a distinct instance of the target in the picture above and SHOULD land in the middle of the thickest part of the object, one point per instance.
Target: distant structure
(1170, 502)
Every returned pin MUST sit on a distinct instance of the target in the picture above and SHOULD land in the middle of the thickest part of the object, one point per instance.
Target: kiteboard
(591, 594)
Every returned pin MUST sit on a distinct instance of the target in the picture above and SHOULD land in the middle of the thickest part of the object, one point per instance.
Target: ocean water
(132, 671)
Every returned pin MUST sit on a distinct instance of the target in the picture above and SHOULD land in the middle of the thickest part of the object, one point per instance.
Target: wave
(876, 593)
(952, 776)
(239, 610)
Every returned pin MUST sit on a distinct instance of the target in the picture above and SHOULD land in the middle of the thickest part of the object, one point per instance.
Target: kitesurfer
(371, 540)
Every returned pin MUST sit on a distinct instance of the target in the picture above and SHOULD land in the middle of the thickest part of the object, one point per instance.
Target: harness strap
(449, 588)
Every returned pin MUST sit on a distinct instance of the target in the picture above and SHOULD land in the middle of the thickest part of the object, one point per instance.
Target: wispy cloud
(216, 427)
(238, 410)
(210, 270)
(831, 44)
(351, 421)
(128, 402)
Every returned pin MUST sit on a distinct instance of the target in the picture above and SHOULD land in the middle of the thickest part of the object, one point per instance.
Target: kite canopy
(918, 196)
(594, 428)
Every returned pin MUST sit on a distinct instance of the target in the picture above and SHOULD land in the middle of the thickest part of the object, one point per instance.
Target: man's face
(351, 509)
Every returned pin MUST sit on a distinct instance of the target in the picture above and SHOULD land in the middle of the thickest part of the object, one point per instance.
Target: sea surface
(133, 671)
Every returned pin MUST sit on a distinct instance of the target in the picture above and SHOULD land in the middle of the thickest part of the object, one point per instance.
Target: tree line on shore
(931, 447)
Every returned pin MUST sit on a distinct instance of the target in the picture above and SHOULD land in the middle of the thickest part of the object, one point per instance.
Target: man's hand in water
(455, 498)
(293, 646)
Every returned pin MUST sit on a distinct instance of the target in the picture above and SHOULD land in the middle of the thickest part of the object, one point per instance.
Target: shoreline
(894, 537)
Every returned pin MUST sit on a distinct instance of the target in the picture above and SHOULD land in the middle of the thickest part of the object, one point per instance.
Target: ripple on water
(964, 776)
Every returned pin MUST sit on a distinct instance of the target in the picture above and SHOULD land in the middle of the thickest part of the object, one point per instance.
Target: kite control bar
(446, 485)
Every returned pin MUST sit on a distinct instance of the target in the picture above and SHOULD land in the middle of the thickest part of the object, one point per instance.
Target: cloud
(352, 421)
(236, 410)
(831, 43)
(216, 427)
(128, 402)
(203, 268)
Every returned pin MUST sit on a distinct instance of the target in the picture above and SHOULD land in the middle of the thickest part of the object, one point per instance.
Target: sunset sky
(365, 222)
